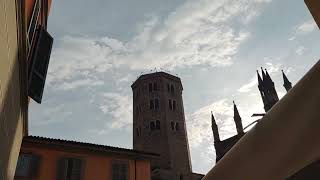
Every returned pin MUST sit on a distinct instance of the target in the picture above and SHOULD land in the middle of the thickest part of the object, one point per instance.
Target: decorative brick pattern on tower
(159, 125)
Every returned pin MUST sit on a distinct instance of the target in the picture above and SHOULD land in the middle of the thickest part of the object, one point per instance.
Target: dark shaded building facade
(269, 97)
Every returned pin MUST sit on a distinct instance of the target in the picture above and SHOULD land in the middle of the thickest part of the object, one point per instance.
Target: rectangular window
(150, 87)
(174, 105)
(70, 169)
(120, 171)
(27, 165)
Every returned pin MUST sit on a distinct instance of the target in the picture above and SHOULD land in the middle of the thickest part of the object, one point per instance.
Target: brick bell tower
(159, 124)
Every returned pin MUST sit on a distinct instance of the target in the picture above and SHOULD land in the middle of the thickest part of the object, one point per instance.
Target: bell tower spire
(286, 83)
(215, 129)
(237, 119)
(267, 90)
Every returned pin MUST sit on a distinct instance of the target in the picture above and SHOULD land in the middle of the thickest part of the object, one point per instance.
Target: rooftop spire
(215, 130)
(235, 110)
(259, 79)
(237, 119)
(286, 83)
(263, 74)
(268, 76)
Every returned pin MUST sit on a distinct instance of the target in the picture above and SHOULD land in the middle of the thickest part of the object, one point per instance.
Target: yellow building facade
(16, 45)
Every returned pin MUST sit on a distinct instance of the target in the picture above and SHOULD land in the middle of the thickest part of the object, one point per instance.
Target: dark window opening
(156, 102)
(181, 177)
(69, 169)
(152, 125)
(27, 165)
(172, 125)
(137, 130)
(170, 104)
(155, 87)
(151, 104)
(177, 127)
(120, 171)
(172, 89)
(158, 124)
(174, 105)
(168, 86)
(150, 87)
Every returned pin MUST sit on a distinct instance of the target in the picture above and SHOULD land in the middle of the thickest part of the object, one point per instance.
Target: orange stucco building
(51, 159)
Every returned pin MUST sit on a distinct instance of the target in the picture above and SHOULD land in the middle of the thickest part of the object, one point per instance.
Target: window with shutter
(39, 61)
(120, 170)
(69, 169)
(27, 165)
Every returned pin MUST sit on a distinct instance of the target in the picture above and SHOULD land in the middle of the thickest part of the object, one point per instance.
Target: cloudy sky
(214, 46)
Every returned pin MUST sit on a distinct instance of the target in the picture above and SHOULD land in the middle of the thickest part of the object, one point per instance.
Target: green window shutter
(39, 61)
(76, 169)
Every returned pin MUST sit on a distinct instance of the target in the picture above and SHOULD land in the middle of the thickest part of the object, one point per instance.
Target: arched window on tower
(168, 86)
(138, 133)
(158, 124)
(151, 104)
(170, 104)
(156, 104)
(172, 89)
(150, 87)
(181, 177)
(174, 105)
(152, 125)
(172, 125)
(177, 127)
(155, 86)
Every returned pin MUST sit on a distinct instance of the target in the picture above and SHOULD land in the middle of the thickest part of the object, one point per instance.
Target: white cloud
(78, 83)
(198, 32)
(300, 50)
(248, 87)
(306, 27)
(199, 122)
(51, 115)
(292, 38)
(119, 107)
